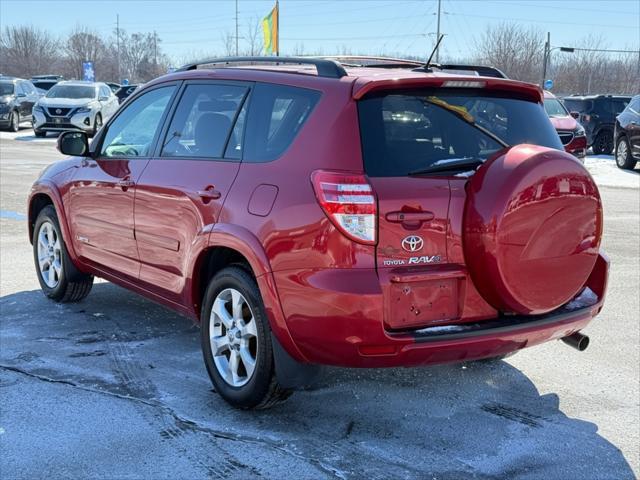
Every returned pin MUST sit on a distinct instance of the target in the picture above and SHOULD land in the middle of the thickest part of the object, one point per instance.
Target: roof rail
(326, 68)
(374, 62)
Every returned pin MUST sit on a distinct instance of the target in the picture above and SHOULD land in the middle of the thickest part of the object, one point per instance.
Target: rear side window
(276, 115)
(405, 132)
(577, 105)
(202, 123)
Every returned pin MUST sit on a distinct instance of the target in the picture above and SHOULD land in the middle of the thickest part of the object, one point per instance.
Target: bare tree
(137, 52)
(83, 45)
(229, 43)
(27, 50)
(253, 37)
(516, 50)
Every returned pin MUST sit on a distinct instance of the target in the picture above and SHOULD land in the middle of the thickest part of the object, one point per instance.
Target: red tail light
(349, 202)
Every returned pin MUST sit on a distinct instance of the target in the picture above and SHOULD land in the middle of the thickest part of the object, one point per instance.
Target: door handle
(125, 184)
(409, 217)
(208, 194)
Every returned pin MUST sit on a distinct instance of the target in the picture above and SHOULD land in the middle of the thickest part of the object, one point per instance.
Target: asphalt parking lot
(115, 386)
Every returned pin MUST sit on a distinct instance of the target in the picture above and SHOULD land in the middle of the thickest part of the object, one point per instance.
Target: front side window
(276, 116)
(203, 120)
(403, 133)
(72, 91)
(131, 134)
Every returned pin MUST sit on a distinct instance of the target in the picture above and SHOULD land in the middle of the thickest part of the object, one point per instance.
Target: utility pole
(118, 43)
(546, 59)
(438, 32)
(236, 28)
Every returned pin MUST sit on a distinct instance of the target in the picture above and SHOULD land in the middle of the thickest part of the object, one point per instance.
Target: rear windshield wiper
(464, 115)
(453, 165)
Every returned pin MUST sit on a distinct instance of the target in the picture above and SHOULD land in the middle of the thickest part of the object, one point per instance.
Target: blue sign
(125, 82)
(548, 84)
(88, 73)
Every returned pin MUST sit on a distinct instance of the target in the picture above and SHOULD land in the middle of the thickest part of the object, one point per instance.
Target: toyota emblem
(412, 243)
(58, 111)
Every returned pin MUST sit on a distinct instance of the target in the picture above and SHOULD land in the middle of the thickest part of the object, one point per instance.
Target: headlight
(83, 110)
(38, 108)
(580, 132)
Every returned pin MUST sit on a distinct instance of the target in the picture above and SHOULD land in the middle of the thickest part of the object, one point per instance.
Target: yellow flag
(270, 30)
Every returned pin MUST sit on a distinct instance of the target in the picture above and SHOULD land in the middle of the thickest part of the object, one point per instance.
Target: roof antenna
(433, 52)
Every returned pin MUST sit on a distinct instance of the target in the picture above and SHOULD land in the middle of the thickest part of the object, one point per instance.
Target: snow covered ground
(604, 170)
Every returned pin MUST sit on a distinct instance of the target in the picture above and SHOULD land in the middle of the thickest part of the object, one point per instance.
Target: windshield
(554, 107)
(405, 132)
(6, 89)
(72, 91)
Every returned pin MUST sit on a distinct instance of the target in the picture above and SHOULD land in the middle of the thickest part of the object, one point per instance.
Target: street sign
(548, 84)
(125, 82)
(88, 73)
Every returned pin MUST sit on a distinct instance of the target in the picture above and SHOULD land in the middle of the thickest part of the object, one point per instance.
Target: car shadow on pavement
(475, 420)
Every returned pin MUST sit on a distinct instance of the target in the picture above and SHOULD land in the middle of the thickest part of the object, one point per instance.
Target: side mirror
(75, 144)
(575, 115)
(103, 99)
(21, 95)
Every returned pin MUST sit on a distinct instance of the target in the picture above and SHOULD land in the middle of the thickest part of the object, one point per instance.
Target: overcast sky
(393, 27)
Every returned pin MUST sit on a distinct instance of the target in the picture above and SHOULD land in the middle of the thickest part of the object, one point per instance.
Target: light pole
(547, 58)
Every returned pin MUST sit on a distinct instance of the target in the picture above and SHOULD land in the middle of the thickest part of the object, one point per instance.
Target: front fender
(48, 188)
(247, 244)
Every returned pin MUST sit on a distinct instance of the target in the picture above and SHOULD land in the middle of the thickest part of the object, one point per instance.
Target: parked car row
(67, 105)
(597, 114)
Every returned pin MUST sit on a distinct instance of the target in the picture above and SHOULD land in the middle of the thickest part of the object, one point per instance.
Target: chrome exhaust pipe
(577, 340)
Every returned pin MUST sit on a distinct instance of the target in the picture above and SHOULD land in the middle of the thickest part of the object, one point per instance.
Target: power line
(528, 20)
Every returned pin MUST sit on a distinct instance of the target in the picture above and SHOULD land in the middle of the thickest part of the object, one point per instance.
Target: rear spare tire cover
(532, 229)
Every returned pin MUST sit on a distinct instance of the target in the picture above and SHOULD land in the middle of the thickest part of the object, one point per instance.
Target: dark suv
(597, 114)
(17, 97)
(627, 135)
(308, 213)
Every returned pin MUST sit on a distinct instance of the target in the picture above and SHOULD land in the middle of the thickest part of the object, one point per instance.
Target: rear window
(405, 132)
(276, 115)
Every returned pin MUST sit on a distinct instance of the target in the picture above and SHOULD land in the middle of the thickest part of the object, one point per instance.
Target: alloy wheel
(233, 335)
(621, 154)
(49, 255)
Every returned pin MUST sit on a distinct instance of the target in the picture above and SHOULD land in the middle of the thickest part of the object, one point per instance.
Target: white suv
(74, 105)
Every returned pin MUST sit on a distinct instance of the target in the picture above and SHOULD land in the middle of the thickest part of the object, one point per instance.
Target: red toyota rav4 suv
(309, 213)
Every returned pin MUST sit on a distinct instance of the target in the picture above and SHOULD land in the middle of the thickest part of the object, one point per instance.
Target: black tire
(72, 285)
(14, 122)
(39, 133)
(261, 390)
(603, 143)
(626, 162)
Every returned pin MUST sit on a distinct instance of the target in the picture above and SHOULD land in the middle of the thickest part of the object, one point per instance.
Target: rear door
(183, 188)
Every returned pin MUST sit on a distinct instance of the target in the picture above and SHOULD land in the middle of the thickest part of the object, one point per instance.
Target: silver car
(74, 105)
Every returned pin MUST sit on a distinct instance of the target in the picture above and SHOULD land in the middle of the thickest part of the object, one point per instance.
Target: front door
(101, 194)
(183, 188)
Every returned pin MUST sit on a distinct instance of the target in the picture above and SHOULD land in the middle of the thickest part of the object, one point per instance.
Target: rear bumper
(339, 321)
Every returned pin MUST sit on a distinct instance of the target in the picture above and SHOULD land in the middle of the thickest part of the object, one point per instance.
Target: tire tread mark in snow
(514, 414)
